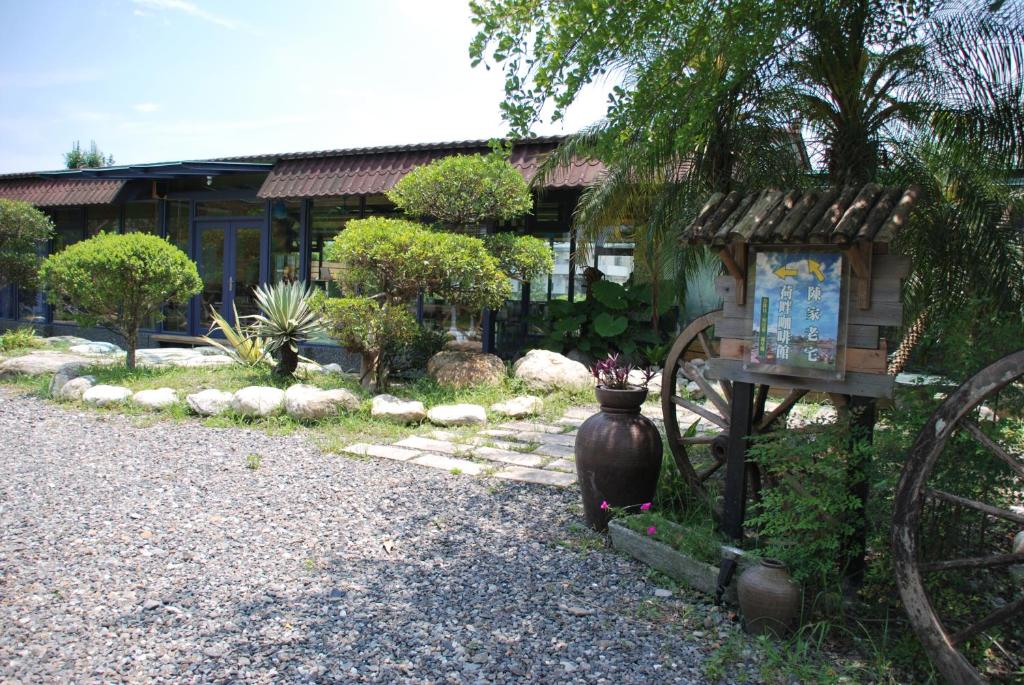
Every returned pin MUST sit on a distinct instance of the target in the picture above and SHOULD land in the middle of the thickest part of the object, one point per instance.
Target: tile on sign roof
(60, 192)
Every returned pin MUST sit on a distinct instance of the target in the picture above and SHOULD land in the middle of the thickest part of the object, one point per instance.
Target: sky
(167, 80)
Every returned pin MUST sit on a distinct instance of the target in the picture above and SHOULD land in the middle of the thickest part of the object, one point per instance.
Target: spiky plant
(243, 345)
(286, 319)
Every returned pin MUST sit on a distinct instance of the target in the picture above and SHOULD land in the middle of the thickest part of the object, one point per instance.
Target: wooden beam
(737, 268)
(864, 384)
(861, 258)
(735, 499)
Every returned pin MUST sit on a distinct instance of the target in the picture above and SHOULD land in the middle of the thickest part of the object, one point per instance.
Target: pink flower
(645, 506)
(652, 530)
(604, 505)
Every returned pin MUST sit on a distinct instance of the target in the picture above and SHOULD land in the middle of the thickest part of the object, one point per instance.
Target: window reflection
(327, 219)
(285, 222)
(102, 219)
(176, 316)
(141, 217)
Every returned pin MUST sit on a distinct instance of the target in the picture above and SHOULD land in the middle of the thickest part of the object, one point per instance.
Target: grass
(19, 341)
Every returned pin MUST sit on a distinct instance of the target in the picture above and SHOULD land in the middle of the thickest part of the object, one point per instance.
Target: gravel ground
(154, 554)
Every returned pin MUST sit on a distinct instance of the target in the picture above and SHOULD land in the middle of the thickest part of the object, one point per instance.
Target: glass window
(176, 317)
(102, 218)
(230, 208)
(141, 217)
(7, 302)
(285, 221)
(69, 230)
(613, 256)
(327, 220)
(378, 205)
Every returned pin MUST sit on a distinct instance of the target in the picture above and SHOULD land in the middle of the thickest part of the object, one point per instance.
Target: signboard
(798, 313)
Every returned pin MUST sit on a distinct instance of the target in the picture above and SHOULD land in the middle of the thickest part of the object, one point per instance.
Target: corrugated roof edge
(340, 152)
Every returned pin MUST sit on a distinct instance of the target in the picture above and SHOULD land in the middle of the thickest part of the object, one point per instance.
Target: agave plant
(243, 344)
(286, 319)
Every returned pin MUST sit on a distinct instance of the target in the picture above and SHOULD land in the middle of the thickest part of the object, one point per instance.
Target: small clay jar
(769, 599)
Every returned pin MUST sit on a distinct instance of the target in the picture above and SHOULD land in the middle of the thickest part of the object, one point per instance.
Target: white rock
(104, 395)
(204, 360)
(457, 415)
(66, 340)
(73, 390)
(391, 408)
(518, 407)
(637, 377)
(42, 362)
(460, 369)
(309, 402)
(96, 348)
(64, 374)
(160, 398)
(545, 370)
(258, 400)
(209, 402)
(332, 368)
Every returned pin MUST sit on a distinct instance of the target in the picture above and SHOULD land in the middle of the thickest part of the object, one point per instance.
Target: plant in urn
(618, 450)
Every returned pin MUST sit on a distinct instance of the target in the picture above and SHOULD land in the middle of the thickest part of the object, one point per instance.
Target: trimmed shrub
(23, 229)
(120, 282)
(522, 257)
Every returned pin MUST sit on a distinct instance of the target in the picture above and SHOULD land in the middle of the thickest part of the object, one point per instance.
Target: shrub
(120, 282)
(23, 229)
(463, 190)
(286, 319)
(378, 331)
(522, 257)
(21, 338)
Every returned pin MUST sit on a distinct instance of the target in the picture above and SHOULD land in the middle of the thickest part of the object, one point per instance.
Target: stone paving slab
(499, 432)
(383, 451)
(555, 451)
(531, 426)
(567, 465)
(538, 476)
(446, 463)
(564, 439)
(566, 421)
(417, 442)
(509, 457)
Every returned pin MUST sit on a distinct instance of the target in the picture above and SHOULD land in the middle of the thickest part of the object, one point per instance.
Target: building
(267, 218)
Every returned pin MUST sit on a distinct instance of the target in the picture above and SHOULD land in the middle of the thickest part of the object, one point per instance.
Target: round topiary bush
(120, 282)
(23, 229)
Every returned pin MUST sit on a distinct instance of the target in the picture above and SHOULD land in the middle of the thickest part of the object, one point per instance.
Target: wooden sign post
(808, 283)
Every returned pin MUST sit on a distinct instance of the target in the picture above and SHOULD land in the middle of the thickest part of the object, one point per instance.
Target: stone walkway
(527, 451)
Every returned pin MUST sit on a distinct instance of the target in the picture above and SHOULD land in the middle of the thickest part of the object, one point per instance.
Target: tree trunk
(287, 362)
(131, 342)
(907, 345)
(368, 370)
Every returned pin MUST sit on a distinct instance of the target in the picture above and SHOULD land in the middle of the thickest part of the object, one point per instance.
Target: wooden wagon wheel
(699, 457)
(943, 641)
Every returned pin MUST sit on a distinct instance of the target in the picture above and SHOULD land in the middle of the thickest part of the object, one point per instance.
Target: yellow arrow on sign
(814, 268)
(786, 271)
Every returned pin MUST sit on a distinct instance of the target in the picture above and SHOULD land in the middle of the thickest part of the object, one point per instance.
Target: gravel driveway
(154, 554)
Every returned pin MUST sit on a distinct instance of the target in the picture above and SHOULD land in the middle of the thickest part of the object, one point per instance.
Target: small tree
(385, 263)
(92, 158)
(522, 257)
(120, 281)
(464, 190)
(23, 229)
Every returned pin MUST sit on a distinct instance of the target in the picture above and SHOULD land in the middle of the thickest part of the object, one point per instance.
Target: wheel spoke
(993, 619)
(697, 377)
(707, 473)
(698, 440)
(995, 448)
(977, 506)
(974, 562)
(792, 398)
(700, 411)
(706, 344)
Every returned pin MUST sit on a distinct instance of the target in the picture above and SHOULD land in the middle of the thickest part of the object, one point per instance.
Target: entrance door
(229, 266)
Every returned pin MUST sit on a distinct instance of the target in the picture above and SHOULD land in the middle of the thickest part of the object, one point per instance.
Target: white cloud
(146, 107)
(193, 10)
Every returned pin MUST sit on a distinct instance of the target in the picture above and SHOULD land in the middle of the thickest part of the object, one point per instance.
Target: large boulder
(546, 370)
(209, 402)
(309, 402)
(42, 362)
(74, 389)
(459, 369)
(95, 348)
(464, 345)
(391, 408)
(64, 374)
(160, 398)
(519, 407)
(65, 340)
(258, 400)
(457, 415)
(106, 395)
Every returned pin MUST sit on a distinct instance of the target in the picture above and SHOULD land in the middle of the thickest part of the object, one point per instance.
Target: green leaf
(609, 325)
(610, 294)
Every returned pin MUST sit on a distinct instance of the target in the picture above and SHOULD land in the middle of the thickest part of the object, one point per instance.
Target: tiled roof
(60, 192)
(869, 213)
(372, 171)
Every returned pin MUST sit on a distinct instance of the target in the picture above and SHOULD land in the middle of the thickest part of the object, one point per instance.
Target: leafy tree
(23, 229)
(385, 264)
(463, 190)
(92, 158)
(120, 282)
(522, 257)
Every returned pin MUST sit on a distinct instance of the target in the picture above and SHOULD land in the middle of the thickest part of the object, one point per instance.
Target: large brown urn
(769, 598)
(618, 455)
